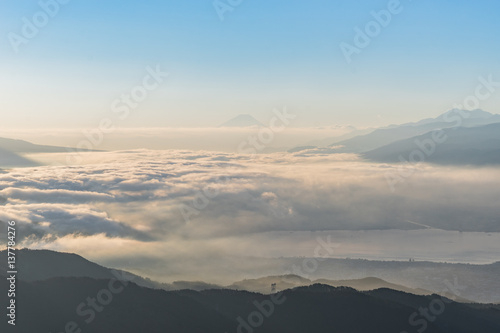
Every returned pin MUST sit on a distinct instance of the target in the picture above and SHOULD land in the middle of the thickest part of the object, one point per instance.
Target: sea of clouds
(186, 213)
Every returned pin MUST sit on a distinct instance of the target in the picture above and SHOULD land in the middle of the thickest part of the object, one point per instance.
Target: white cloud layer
(199, 205)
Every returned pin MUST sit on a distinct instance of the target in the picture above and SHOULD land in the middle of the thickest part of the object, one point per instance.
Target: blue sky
(265, 54)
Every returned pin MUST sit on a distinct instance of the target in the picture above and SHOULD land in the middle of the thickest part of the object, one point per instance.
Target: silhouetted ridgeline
(111, 304)
(52, 305)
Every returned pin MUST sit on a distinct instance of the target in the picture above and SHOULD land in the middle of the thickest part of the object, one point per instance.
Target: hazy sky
(263, 55)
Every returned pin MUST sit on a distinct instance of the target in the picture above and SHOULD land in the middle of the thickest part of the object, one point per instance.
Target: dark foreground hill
(59, 292)
(39, 265)
(108, 306)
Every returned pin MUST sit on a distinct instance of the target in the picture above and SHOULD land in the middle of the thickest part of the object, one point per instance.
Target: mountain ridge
(242, 120)
(478, 145)
(384, 136)
(39, 265)
(317, 308)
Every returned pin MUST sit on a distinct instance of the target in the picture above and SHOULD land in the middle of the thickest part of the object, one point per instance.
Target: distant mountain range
(20, 146)
(242, 120)
(363, 275)
(8, 159)
(112, 304)
(12, 151)
(385, 136)
(283, 282)
(335, 139)
(471, 138)
(40, 265)
(478, 145)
